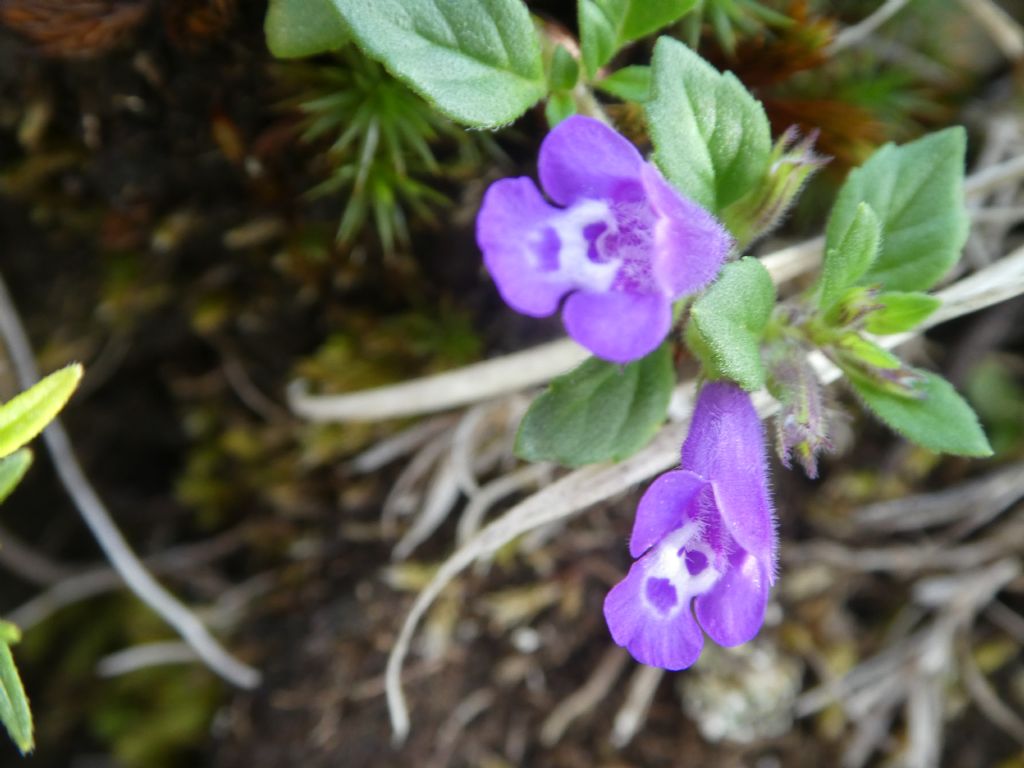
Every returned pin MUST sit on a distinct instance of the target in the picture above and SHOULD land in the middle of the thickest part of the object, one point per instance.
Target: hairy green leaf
(631, 83)
(607, 25)
(479, 63)
(728, 321)
(559, 106)
(564, 70)
(899, 311)
(298, 28)
(847, 260)
(14, 711)
(867, 352)
(12, 469)
(861, 358)
(917, 192)
(23, 417)
(598, 411)
(711, 137)
(938, 418)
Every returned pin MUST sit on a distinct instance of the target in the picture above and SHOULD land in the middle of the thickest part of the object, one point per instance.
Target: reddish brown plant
(73, 28)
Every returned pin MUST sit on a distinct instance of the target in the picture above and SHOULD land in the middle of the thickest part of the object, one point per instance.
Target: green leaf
(900, 312)
(10, 634)
(864, 360)
(646, 16)
(598, 411)
(607, 25)
(14, 710)
(12, 469)
(728, 321)
(938, 419)
(631, 83)
(559, 106)
(711, 137)
(917, 192)
(479, 63)
(298, 28)
(855, 346)
(23, 417)
(565, 70)
(847, 260)
(791, 163)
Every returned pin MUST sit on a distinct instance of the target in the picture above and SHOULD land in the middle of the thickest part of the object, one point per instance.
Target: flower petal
(732, 612)
(726, 446)
(584, 159)
(510, 231)
(664, 507)
(617, 326)
(690, 245)
(670, 641)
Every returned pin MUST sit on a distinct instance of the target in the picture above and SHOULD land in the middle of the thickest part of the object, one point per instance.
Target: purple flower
(620, 242)
(703, 534)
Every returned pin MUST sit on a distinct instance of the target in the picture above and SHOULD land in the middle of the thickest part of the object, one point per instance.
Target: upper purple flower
(704, 534)
(620, 241)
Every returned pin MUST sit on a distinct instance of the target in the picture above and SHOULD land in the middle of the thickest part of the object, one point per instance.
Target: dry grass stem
(28, 564)
(471, 707)
(403, 498)
(985, 696)
(441, 497)
(913, 672)
(992, 178)
(402, 444)
(90, 582)
(491, 378)
(1008, 620)
(995, 491)
(643, 684)
(483, 500)
(586, 698)
(860, 32)
(143, 656)
(911, 558)
(1005, 31)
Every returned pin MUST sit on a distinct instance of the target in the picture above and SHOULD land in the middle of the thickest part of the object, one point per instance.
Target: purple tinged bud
(793, 161)
(804, 420)
(704, 537)
(854, 308)
(618, 246)
(864, 360)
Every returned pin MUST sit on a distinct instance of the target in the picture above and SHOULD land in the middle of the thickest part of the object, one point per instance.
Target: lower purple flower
(620, 242)
(704, 537)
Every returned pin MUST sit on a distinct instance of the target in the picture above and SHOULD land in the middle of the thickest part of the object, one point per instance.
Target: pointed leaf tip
(26, 415)
(941, 420)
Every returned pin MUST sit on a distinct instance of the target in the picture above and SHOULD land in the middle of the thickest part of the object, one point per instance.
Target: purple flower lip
(616, 249)
(704, 541)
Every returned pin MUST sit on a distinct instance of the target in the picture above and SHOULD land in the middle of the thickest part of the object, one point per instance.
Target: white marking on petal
(575, 267)
(668, 561)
